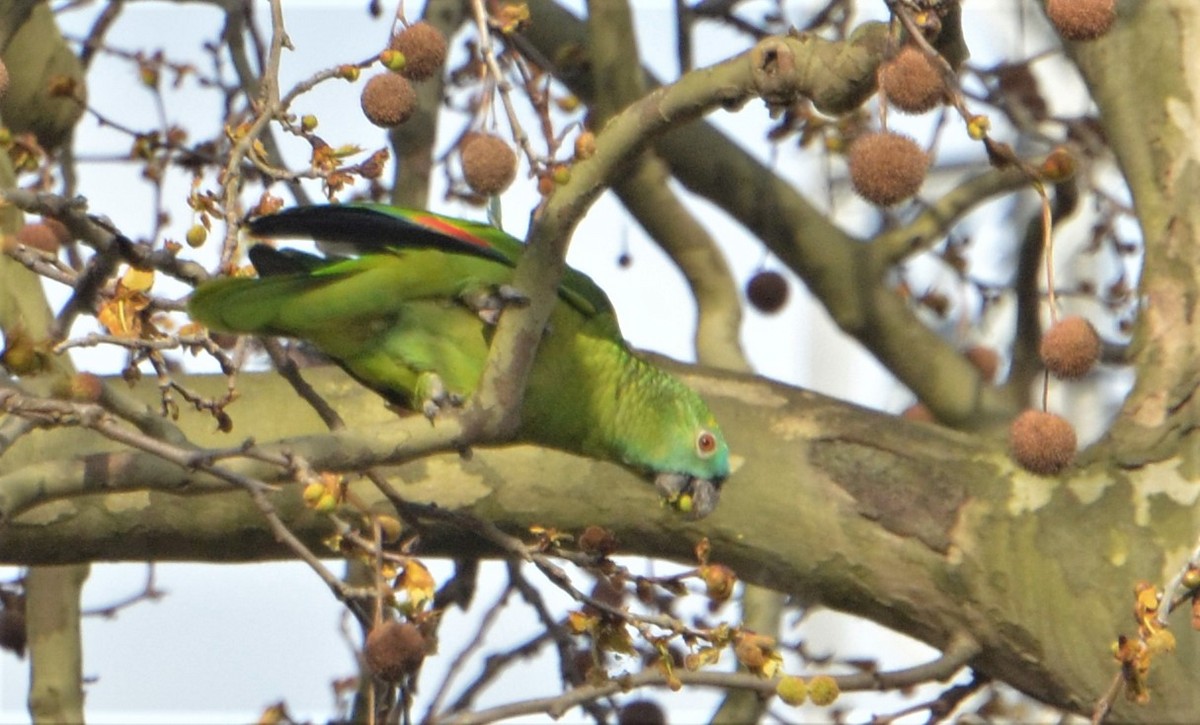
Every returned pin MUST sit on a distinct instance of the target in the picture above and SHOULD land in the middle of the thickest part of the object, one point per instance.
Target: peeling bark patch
(794, 427)
(1162, 479)
(49, 513)
(1089, 488)
(1181, 115)
(127, 501)
(906, 495)
(757, 394)
(1029, 492)
(448, 480)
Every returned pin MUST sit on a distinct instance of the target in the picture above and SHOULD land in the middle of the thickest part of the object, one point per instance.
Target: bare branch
(943, 667)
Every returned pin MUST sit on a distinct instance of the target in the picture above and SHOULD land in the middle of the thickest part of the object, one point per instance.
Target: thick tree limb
(919, 528)
(645, 192)
(1148, 91)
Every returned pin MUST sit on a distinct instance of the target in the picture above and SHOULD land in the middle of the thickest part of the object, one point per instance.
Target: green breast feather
(411, 316)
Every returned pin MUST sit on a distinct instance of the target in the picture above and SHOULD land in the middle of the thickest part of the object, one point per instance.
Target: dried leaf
(137, 280)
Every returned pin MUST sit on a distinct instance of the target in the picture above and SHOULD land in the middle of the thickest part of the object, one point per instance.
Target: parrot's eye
(706, 444)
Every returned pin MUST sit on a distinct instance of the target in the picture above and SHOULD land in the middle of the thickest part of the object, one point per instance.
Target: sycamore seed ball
(985, 359)
(641, 712)
(597, 540)
(489, 164)
(767, 291)
(85, 387)
(1081, 19)
(424, 49)
(918, 412)
(39, 236)
(1041, 442)
(886, 167)
(388, 100)
(394, 650)
(911, 81)
(60, 230)
(1070, 348)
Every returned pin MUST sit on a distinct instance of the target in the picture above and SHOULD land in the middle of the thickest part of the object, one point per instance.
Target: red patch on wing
(450, 229)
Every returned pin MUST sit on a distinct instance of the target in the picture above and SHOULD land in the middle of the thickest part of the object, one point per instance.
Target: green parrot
(412, 317)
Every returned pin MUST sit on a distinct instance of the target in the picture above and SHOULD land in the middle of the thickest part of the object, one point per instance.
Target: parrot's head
(690, 475)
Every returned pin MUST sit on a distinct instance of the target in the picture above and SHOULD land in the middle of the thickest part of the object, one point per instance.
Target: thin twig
(490, 617)
(961, 650)
(502, 85)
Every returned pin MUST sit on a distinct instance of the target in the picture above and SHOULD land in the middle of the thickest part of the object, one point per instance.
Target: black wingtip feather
(268, 261)
(329, 223)
(360, 228)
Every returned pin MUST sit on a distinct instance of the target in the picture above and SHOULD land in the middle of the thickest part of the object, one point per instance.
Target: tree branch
(776, 69)
(961, 651)
(921, 529)
(645, 191)
(836, 267)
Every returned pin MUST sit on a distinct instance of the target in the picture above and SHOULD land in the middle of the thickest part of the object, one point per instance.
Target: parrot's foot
(431, 395)
(489, 302)
(695, 496)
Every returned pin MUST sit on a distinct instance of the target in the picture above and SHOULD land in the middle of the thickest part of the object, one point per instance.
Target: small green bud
(823, 690)
(393, 60)
(792, 690)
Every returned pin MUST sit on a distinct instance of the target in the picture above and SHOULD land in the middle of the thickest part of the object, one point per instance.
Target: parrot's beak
(696, 496)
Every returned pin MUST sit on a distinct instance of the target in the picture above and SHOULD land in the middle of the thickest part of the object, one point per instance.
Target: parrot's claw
(509, 295)
(489, 302)
(433, 397)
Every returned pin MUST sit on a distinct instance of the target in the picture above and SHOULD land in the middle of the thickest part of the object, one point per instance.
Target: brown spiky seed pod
(85, 387)
(394, 650)
(598, 540)
(911, 81)
(985, 359)
(767, 291)
(489, 164)
(1070, 348)
(918, 412)
(1081, 19)
(1041, 442)
(39, 236)
(886, 167)
(424, 49)
(641, 712)
(60, 230)
(388, 100)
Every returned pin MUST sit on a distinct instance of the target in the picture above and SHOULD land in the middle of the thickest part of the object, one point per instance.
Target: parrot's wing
(375, 228)
(296, 294)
